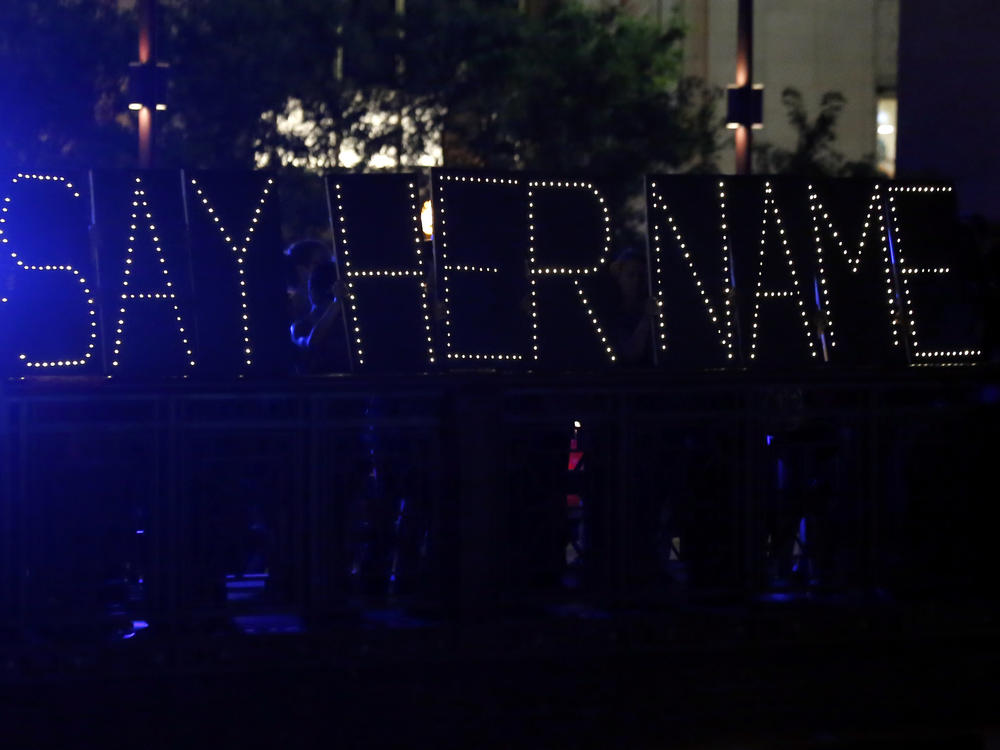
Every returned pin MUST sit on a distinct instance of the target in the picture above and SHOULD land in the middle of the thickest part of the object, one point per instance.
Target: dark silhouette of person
(302, 259)
(319, 336)
(633, 309)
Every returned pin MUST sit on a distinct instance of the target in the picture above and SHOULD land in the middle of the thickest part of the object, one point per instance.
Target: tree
(814, 154)
(233, 60)
(579, 89)
(564, 89)
(356, 84)
(63, 70)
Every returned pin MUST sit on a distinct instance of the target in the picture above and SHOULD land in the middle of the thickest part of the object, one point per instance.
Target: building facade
(814, 46)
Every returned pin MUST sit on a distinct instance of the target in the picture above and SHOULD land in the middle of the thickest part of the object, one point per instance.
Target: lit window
(886, 135)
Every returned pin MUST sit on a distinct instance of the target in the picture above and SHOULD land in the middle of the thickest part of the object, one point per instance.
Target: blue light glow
(778, 597)
(16, 249)
(393, 618)
(990, 394)
(246, 584)
(892, 249)
(269, 624)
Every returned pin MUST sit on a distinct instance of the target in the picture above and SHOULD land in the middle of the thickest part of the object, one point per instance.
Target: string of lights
(239, 255)
(822, 223)
(352, 274)
(725, 328)
(86, 356)
(447, 268)
(142, 214)
(898, 222)
(771, 215)
(575, 273)
(906, 271)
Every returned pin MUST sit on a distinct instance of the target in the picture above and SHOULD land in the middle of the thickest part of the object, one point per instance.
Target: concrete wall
(812, 45)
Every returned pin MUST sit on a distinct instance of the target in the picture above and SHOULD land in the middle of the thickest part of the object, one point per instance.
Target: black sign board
(167, 274)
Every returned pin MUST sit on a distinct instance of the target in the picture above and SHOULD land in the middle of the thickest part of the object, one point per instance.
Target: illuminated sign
(49, 286)
(386, 265)
(161, 273)
(798, 273)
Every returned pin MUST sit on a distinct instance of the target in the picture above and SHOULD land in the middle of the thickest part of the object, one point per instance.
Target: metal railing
(468, 495)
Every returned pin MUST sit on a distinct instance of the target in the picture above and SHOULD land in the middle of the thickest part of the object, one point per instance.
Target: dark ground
(802, 674)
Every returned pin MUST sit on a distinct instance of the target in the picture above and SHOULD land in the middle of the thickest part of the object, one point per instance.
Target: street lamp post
(745, 102)
(147, 83)
(147, 36)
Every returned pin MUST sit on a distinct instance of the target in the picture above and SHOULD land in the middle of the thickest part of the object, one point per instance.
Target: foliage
(814, 154)
(231, 61)
(581, 90)
(323, 84)
(63, 68)
(569, 89)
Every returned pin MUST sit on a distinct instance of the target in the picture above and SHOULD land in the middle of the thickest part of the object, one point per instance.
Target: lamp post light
(745, 102)
(147, 83)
